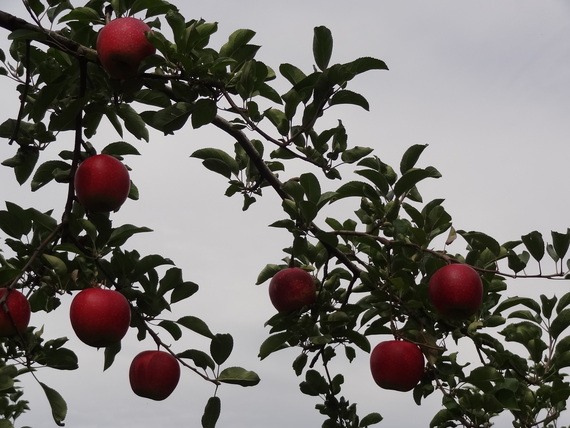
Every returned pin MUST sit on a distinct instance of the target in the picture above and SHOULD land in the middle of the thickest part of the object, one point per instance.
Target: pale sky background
(484, 83)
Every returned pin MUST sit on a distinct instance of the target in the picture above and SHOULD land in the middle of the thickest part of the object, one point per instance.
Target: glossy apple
(456, 291)
(292, 288)
(18, 316)
(102, 183)
(100, 317)
(154, 374)
(397, 365)
(122, 45)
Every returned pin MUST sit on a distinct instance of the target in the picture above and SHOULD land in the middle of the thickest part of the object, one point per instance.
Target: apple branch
(272, 179)
(48, 37)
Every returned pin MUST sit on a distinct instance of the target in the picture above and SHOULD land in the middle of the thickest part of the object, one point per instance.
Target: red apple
(456, 291)
(100, 317)
(397, 365)
(102, 183)
(122, 45)
(292, 288)
(154, 374)
(18, 316)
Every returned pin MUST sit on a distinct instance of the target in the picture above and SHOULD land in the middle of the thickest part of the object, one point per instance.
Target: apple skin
(100, 317)
(291, 289)
(397, 365)
(154, 374)
(102, 183)
(122, 45)
(19, 313)
(456, 291)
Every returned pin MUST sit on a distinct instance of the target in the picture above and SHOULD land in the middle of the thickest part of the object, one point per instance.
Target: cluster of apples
(455, 291)
(101, 317)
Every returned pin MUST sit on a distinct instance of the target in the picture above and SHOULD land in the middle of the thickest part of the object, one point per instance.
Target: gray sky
(485, 84)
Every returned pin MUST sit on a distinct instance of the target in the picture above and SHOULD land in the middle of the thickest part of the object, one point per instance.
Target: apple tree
(371, 269)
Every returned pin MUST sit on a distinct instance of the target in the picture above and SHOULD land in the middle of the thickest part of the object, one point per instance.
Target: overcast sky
(484, 83)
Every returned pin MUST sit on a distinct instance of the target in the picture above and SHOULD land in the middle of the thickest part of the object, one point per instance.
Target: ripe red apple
(100, 317)
(102, 183)
(292, 288)
(456, 291)
(397, 365)
(122, 45)
(18, 316)
(154, 374)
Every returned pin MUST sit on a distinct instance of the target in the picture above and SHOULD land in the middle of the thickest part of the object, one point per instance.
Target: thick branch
(48, 37)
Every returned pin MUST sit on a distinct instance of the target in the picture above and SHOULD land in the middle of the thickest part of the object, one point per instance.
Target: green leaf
(23, 162)
(211, 412)
(82, 14)
(355, 154)
(205, 111)
(376, 178)
(299, 363)
(47, 171)
(355, 189)
(172, 328)
(411, 156)
(169, 119)
(110, 354)
(480, 241)
(322, 47)
(412, 177)
(267, 273)
(133, 121)
(5, 423)
(563, 302)
(561, 242)
(218, 161)
(515, 301)
(560, 323)
(237, 40)
(349, 97)
(370, 419)
(196, 324)
(364, 64)
(200, 358)
(291, 73)
(314, 384)
(238, 376)
(534, 244)
(122, 233)
(311, 187)
(274, 343)
(183, 291)
(278, 119)
(153, 97)
(57, 404)
(221, 347)
(57, 264)
(120, 148)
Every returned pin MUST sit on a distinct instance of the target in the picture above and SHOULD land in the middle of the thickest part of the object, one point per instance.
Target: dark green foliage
(371, 268)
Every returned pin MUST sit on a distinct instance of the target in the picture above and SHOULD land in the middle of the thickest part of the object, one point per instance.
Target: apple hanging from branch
(154, 374)
(122, 46)
(292, 288)
(397, 365)
(102, 183)
(100, 317)
(456, 291)
(16, 318)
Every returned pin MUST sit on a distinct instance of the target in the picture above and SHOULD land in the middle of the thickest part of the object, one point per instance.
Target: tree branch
(48, 37)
